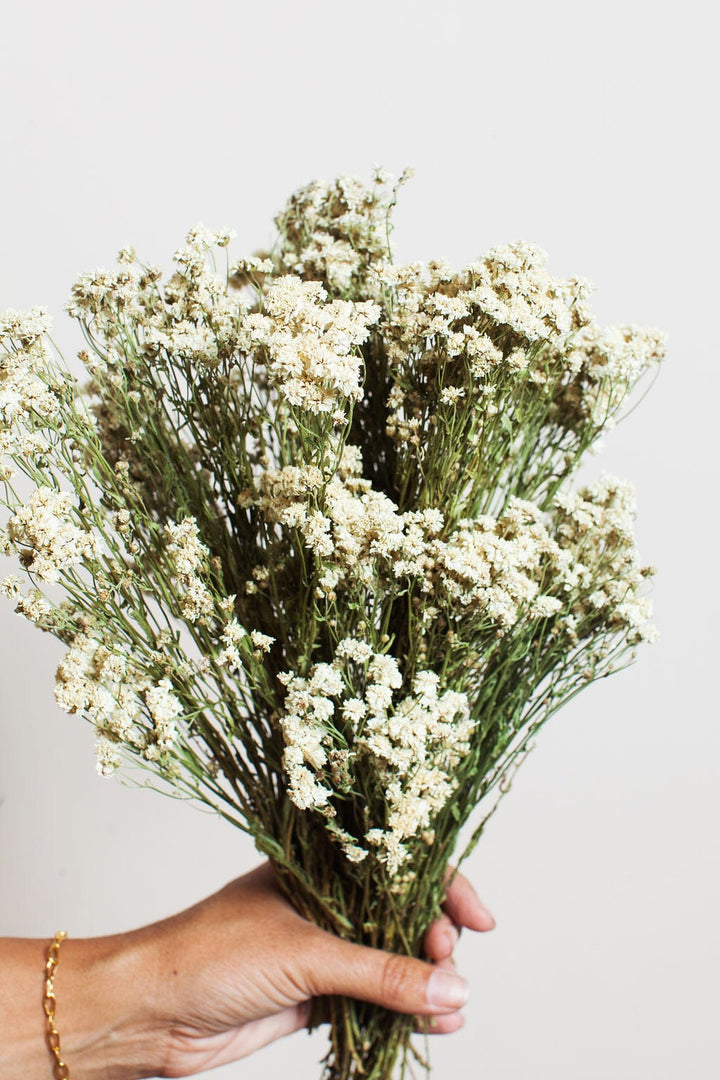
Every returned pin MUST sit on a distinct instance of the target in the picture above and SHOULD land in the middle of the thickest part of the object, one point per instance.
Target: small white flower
(452, 394)
(108, 758)
(10, 586)
(262, 642)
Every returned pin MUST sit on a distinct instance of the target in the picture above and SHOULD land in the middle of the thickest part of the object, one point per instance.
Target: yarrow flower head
(46, 537)
(310, 343)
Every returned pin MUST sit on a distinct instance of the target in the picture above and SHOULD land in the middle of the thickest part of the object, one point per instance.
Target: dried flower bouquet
(308, 537)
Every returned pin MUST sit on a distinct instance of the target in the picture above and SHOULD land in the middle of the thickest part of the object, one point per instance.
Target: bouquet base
(366, 1041)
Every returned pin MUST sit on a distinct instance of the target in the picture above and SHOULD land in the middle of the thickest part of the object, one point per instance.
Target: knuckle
(395, 979)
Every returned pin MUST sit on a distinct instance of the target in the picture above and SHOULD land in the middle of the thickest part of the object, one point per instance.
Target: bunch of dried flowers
(308, 535)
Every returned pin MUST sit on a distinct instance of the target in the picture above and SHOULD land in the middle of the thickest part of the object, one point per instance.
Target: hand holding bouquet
(309, 537)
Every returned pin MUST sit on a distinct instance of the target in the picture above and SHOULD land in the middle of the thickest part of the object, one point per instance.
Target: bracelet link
(49, 1002)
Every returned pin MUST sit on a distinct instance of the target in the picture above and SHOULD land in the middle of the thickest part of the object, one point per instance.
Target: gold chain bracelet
(53, 1039)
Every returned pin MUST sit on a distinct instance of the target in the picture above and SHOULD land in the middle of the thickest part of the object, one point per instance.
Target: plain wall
(589, 129)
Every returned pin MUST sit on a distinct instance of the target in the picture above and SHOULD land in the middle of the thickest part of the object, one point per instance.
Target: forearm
(103, 986)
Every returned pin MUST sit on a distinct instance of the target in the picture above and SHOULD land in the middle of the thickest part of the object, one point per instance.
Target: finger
(255, 1034)
(463, 905)
(400, 983)
(446, 1023)
(259, 1033)
(443, 1024)
(441, 938)
(440, 1025)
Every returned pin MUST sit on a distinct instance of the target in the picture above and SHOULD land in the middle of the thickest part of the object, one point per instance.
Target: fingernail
(489, 916)
(447, 990)
(450, 937)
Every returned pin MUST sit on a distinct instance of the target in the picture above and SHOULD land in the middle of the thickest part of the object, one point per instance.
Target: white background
(590, 130)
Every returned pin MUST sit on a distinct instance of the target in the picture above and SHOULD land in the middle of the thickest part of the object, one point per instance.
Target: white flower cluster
(497, 329)
(236, 642)
(34, 607)
(308, 710)
(232, 637)
(201, 319)
(416, 749)
(509, 288)
(521, 564)
(334, 232)
(511, 285)
(188, 556)
(196, 318)
(45, 536)
(25, 398)
(495, 565)
(263, 642)
(10, 586)
(101, 294)
(186, 339)
(498, 566)
(311, 343)
(357, 526)
(604, 362)
(348, 714)
(99, 684)
(596, 525)
(164, 708)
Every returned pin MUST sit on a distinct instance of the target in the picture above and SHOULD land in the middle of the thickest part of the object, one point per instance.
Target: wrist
(105, 1013)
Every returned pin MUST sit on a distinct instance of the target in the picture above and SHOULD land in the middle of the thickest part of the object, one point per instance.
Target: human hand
(244, 967)
(241, 968)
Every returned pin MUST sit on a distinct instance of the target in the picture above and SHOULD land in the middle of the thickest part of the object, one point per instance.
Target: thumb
(397, 982)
